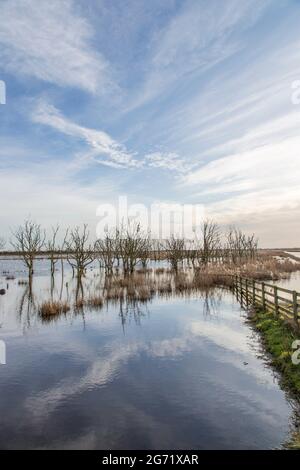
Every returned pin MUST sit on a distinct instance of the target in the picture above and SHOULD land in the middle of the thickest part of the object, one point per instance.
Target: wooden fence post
(247, 293)
(241, 290)
(263, 296)
(276, 300)
(295, 306)
(253, 293)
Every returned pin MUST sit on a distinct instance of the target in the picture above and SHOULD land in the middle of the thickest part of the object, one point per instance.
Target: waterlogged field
(177, 371)
(292, 282)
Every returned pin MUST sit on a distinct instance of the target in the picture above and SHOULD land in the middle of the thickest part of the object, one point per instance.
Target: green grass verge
(278, 338)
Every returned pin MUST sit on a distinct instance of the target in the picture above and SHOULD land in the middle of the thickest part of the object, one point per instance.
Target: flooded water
(291, 283)
(294, 253)
(178, 372)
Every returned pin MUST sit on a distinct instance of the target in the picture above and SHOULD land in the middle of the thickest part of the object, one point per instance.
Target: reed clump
(114, 294)
(160, 270)
(267, 268)
(79, 304)
(128, 281)
(165, 287)
(53, 308)
(143, 294)
(95, 302)
(130, 292)
(144, 271)
(182, 283)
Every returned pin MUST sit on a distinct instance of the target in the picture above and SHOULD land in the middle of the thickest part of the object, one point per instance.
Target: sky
(170, 102)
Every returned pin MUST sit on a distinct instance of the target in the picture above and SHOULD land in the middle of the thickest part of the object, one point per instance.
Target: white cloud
(201, 35)
(48, 40)
(99, 143)
(259, 159)
(169, 160)
(50, 194)
(256, 181)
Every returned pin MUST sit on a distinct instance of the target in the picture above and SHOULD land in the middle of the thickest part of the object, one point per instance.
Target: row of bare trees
(128, 246)
(213, 246)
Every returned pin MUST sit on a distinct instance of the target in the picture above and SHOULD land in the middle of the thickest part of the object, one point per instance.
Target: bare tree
(156, 250)
(240, 247)
(145, 249)
(29, 239)
(62, 250)
(107, 250)
(133, 245)
(175, 248)
(210, 244)
(53, 249)
(193, 252)
(80, 253)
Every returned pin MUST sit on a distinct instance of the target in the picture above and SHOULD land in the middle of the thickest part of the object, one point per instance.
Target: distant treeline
(128, 246)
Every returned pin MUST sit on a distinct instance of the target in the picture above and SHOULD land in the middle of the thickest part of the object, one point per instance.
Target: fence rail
(282, 302)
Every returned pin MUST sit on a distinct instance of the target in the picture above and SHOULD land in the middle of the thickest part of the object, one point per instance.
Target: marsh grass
(267, 268)
(182, 283)
(144, 271)
(79, 304)
(165, 288)
(278, 337)
(160, 270)
(53, 308)
(142, 285)
(114, 294)
(143, 294)
(95, 302)
(294, 441)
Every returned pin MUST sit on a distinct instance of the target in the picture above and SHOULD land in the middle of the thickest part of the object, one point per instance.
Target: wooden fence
(282, 302)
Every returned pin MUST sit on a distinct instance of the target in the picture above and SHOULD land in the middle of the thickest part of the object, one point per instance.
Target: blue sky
(174, 101)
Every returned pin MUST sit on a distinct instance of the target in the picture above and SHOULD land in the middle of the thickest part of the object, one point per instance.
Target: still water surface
(177, 372)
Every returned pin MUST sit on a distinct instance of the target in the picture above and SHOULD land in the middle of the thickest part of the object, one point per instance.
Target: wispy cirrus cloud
(256, 183)
(169, 160)
(100, 146)
(204, 99)
(259, 156)
(50, 41)
(198, 37)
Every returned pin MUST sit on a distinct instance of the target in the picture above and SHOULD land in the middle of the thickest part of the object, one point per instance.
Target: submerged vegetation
(53, 308)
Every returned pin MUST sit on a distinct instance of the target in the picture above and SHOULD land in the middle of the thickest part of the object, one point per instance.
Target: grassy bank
(278, 338)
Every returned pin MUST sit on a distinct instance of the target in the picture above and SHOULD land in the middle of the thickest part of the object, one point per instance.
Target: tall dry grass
(53, 308)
